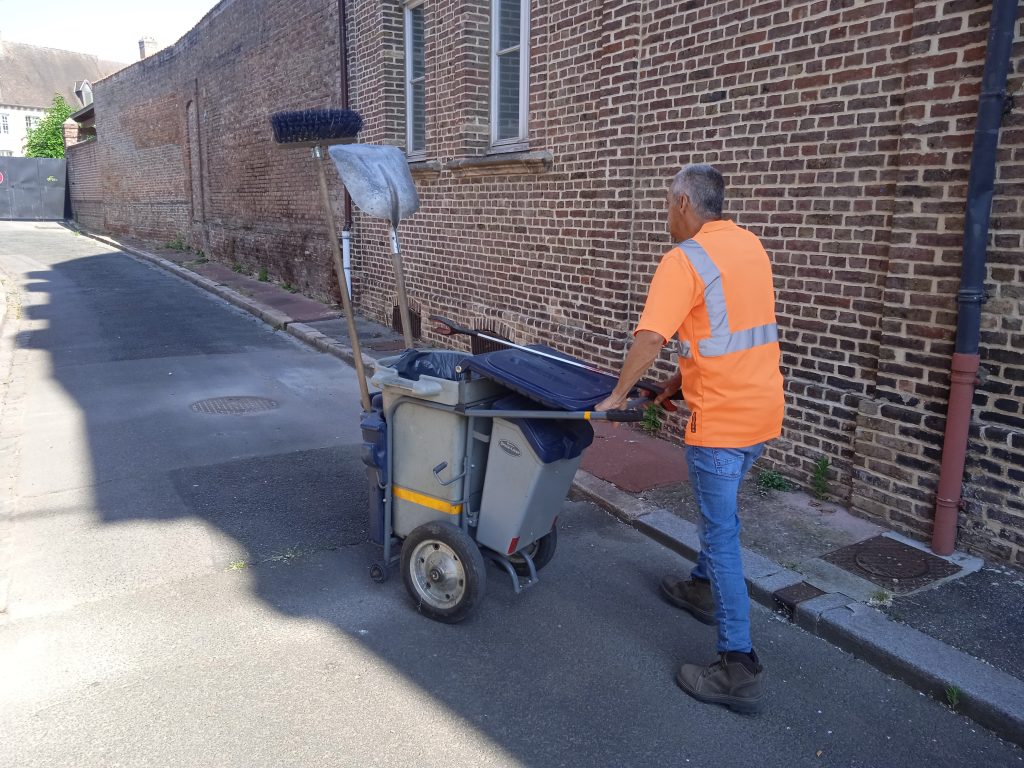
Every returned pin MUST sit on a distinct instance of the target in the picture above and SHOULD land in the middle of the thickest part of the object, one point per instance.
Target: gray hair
(705, 187)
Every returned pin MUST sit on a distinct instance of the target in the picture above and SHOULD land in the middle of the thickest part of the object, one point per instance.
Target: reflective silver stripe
(683, 347)
(717, 346)
(722, 341)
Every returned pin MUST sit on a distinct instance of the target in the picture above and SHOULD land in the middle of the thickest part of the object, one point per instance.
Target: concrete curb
(276, 319)
(987, 695)
(992, 698)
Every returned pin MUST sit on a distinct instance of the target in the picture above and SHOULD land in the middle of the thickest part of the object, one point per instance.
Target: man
(714, 292)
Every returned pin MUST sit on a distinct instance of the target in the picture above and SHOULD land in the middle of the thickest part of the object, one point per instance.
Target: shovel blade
(377, 179)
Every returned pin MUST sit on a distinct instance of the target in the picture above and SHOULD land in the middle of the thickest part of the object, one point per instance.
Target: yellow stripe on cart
(431, 502)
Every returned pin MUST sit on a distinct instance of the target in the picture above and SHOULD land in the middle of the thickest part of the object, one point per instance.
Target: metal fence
(33, 188)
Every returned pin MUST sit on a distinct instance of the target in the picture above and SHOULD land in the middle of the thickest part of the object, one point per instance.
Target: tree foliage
(47, 138)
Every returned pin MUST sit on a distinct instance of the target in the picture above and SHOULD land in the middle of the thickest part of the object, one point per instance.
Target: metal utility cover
(891, 564)
(789, 597)
(234, 406)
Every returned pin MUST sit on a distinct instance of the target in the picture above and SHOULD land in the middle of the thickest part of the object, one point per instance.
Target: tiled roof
(31, 75)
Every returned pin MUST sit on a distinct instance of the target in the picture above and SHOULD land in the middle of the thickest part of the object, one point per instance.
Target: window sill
(505, 163)
(425, 167)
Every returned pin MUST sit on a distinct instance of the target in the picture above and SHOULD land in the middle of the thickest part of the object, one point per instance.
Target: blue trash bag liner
(549, 382)
(438, 363)
(551, 440)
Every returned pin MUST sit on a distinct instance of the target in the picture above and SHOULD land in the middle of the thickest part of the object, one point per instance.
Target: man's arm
(646, 347)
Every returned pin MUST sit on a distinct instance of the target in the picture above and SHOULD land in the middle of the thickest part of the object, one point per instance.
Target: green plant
(177, 244)
(237, 267)
(953, 696)
(289, 287)
(880, 598)
(652, 419)
(819, 478)
(264, 275)
(770, 480)
(238, 565)
(46, 139)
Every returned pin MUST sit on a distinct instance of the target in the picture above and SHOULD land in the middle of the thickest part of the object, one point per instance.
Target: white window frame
(5, 126)
(521, 139)
(421, 152)
(31, 121)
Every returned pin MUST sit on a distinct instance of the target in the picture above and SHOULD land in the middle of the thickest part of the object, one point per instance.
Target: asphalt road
(133, 636)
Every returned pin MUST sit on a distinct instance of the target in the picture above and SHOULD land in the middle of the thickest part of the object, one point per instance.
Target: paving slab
(632, 460)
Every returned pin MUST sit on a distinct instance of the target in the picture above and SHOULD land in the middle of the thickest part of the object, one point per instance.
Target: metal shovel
(378, 181)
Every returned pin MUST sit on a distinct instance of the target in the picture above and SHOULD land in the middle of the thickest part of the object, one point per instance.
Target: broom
(317, 128)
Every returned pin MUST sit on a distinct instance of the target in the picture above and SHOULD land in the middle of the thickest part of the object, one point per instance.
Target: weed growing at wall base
(769, 480)
(819, 478)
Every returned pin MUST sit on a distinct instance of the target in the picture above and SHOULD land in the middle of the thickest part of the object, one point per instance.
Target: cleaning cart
(471, 457)
(467, 457)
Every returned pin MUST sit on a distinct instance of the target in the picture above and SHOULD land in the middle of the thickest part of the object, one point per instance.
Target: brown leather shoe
(693, 595)
(730, 682)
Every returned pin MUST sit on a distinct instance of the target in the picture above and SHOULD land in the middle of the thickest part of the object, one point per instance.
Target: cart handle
(623, 415)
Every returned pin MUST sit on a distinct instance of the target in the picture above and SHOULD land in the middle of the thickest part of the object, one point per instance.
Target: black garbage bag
(439, 363)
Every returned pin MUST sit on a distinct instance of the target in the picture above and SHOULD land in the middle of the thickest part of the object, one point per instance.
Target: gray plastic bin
(424, 438)
(530, 467)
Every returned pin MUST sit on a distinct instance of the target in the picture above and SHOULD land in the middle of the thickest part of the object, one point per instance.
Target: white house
(30, 76)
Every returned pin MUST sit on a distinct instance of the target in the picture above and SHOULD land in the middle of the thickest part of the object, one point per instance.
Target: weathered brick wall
(844, 129)
(86, 183)
(187, 149)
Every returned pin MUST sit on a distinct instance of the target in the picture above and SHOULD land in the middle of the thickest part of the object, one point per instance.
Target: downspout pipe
(346, 230)
(970, 297)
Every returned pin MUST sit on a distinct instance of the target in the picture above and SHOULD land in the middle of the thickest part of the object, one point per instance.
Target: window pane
(508, 23)
(416, 34)
(419, 122)
(508, 96)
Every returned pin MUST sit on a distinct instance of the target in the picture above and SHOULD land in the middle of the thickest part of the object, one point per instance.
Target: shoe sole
(736, 704)
(700, 615)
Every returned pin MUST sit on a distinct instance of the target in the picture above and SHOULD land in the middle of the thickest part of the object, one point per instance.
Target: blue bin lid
(551, 439)
(549, 382)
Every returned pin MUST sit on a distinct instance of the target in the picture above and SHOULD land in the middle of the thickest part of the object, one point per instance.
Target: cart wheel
(542, 550)
(443, 571)
(379, 572)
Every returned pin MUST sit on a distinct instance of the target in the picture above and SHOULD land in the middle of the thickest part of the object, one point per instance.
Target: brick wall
(844, 130)
(86, 184)
(187, 149)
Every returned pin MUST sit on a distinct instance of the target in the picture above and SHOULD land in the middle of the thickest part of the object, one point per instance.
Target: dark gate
(33, 188)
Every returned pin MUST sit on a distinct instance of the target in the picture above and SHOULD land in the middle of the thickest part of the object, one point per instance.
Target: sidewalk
(949, 627)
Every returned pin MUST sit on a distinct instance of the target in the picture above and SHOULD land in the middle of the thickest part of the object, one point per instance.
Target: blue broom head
(315, 125)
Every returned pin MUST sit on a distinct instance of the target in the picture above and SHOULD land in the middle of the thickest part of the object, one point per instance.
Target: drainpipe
(346, 231)
(971, 295)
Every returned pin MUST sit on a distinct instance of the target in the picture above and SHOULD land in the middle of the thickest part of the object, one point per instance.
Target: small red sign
(1, 177)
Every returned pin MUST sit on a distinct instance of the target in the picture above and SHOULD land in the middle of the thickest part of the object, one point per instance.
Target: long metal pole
(339, 268)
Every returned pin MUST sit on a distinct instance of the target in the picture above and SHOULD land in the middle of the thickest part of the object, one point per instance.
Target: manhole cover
(234, 405)
(891, 564)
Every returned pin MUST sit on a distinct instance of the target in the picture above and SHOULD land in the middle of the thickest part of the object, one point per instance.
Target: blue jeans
(715, 474)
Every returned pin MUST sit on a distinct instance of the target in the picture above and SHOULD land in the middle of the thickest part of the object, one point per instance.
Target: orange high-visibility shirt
(714, 293)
